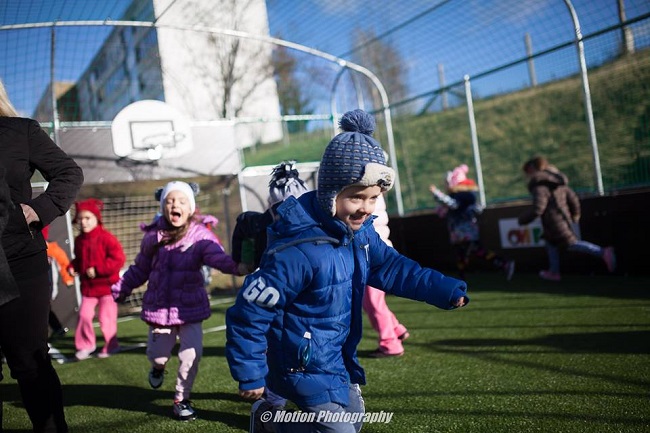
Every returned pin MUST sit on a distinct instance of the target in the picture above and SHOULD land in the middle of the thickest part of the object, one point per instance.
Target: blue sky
(466, 36)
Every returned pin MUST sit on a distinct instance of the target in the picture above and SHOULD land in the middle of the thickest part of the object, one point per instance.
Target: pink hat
(457, 175)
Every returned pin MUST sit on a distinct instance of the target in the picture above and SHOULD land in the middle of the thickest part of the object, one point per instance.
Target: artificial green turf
(524, 356)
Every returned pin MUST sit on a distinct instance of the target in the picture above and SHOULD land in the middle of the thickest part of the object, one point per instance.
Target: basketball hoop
(148, 131)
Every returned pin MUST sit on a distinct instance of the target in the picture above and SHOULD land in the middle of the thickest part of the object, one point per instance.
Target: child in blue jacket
(296, 323)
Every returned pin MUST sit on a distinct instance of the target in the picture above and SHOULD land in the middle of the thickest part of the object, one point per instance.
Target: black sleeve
(62, 173)
(246, 227)
(8, 287)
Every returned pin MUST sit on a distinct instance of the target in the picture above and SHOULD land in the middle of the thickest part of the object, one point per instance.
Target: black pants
(54, 322)
(23, 338)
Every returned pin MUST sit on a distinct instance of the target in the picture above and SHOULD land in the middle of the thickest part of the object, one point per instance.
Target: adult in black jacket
(8, 287)
(25, 148)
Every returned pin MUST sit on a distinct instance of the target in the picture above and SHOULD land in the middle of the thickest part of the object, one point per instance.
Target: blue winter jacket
(296, 323)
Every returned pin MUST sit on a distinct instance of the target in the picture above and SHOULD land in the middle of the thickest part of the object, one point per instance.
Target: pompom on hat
(189, 189)
(352, 158)
(458, 178)
(285, 182)
(457, 175)
(93, 205)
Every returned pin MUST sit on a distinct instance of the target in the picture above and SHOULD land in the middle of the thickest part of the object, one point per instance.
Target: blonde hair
(6, 108)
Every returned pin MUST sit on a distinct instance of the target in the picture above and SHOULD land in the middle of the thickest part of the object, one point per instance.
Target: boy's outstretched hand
(460, 302)
(251, 394)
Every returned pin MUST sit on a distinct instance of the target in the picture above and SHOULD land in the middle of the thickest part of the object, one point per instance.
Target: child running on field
(459, 205)
(172, 252)
(558, 207)
(98, 258)
(297, 321)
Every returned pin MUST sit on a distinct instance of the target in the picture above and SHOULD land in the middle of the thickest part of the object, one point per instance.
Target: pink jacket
(175, 291)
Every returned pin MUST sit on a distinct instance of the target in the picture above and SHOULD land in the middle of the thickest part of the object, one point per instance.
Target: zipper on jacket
(366, 247)
(304, 353)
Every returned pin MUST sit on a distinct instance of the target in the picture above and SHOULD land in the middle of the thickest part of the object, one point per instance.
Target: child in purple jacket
(175, 304)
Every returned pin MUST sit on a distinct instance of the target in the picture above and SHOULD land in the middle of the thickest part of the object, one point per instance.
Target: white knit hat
(183, 187)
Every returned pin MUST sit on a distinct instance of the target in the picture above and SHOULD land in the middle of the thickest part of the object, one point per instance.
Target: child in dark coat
(461, 208)
(558, 207)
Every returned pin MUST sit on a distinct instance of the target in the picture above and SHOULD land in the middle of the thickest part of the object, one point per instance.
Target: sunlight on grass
(524, 356)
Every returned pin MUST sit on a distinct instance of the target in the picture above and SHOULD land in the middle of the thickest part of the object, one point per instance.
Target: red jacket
(101, 250)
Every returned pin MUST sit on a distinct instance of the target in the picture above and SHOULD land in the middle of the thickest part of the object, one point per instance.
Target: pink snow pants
(159, 350)
(383, 321)
(84, 337)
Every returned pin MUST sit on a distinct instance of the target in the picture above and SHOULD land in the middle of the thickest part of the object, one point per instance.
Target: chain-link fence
(521, 60)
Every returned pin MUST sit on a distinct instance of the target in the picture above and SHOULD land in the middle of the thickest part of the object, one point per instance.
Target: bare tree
(231, 70)
(385, 61)
(292, 99)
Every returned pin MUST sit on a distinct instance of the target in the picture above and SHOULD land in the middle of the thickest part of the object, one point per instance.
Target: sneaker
(105, 354)
(58, 333)
(549, 276)
(404, 336)
(378, 353)
(510, 269)
(184, 411)
(259, 408)
(156, 377)
(610, 258)
(84, 354)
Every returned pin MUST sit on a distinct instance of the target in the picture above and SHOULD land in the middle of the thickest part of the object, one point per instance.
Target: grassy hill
(548, 119)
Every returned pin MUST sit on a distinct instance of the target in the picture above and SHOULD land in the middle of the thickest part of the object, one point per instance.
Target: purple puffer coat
(175, 293)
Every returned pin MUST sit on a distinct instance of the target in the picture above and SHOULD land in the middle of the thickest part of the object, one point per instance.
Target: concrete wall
(619, 219)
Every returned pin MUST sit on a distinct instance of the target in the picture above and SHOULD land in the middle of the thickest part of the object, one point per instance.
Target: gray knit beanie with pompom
(352, 158)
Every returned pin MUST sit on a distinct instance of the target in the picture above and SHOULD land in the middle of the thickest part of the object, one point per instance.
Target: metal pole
(472, 129)
(55, 108)
(335, 115)
(441, 81)
(226, 210)
(587, 95)
(333, 108)
(626, 33)
(531, 63)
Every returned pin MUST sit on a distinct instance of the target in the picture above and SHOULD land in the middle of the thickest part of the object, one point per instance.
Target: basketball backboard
(151, 130)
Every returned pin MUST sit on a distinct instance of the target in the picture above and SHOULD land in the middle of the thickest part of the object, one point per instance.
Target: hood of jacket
(550, 177)
(301, 216)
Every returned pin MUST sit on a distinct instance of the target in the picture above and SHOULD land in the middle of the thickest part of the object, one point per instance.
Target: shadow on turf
(632, 342)
(135, 399)
(608, 286)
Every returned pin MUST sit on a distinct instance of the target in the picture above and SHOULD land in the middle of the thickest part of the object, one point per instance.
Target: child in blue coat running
(296, 323)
